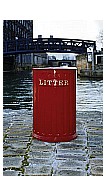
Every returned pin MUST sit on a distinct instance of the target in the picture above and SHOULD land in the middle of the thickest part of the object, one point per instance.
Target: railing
(42, 45)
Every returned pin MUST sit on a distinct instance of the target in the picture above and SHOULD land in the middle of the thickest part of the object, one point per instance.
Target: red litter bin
(54, 104)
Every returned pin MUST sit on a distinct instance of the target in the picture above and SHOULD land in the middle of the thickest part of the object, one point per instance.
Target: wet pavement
(24, 156)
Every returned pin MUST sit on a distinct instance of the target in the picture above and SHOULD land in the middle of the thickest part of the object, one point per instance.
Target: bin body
(54, 104)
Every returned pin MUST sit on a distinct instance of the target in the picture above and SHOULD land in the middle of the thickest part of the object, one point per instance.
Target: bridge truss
(43, 45)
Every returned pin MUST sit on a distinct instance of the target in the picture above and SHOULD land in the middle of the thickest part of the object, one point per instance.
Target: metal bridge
(43, 45)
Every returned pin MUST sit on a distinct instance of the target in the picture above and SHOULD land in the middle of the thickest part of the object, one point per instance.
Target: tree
(100, 39)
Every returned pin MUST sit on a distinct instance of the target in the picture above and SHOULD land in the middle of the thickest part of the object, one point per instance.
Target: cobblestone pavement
(24, 156)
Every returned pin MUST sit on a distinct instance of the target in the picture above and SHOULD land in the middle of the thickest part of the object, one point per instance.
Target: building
(13, 30)
(85, 68)
(17, 29)
(99, 57)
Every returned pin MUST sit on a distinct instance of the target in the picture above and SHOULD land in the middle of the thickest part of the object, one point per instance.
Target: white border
(64, 10)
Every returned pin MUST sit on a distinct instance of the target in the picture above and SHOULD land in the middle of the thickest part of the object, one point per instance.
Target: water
(89, 95)
(17, 93)
(17, 90)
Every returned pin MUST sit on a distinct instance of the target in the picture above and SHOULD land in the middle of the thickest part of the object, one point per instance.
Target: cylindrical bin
(54, 104)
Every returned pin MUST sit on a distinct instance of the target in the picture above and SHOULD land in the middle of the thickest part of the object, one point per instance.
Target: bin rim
(50, 68)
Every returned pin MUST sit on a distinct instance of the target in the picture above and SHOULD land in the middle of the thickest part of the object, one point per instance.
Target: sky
(77, 29)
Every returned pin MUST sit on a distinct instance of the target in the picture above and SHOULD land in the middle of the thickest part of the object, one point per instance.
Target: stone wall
(81, 62)
(85, 69)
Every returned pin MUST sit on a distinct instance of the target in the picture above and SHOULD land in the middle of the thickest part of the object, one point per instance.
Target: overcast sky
(77, 29)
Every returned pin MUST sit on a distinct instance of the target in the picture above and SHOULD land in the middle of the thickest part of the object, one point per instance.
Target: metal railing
(42, 45)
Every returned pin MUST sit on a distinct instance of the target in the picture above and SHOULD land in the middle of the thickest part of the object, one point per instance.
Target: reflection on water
(89, 95)
(17, 92)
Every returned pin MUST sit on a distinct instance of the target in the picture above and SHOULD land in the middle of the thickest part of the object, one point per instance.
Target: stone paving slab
(74, 164)
(10, 162)
(14, 152)
(10, 173)
(97, 170)
(42, 170)
(70, 172)
(24, 156)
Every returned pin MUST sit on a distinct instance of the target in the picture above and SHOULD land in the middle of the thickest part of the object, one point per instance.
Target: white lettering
(53, 82)
(65, 82)
(60, 82)
(45, 82)
(49, 82)
(40, 82)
